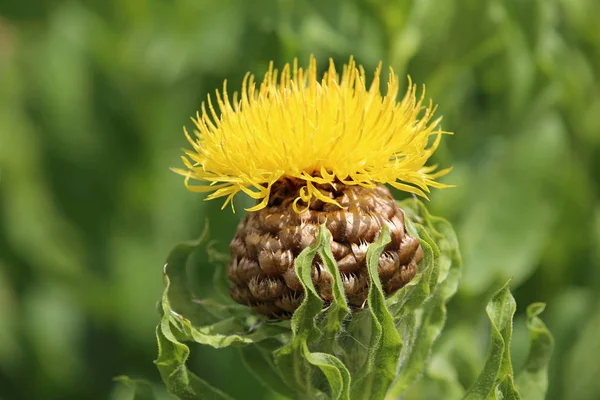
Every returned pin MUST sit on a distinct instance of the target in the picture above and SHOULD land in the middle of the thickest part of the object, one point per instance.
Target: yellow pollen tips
(315, 130)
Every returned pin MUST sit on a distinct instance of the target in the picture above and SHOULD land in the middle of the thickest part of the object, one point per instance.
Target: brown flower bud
(268, 241)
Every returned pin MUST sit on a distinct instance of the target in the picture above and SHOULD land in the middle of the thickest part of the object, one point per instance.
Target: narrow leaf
(334, 370)
(205, 322)
(180, 295)
(385, 345)
(532, 382)
(500, 311)
(295, 359)
(336, 313)
(290, 359)
(433, 316)
(224, 333)
(184, 384)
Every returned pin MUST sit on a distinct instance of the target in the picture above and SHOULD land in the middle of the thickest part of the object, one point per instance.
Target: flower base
(268, 242)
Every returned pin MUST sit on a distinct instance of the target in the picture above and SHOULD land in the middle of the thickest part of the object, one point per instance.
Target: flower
(294, 125)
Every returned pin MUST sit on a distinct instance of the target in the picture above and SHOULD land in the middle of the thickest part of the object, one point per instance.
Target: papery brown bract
(268, 241)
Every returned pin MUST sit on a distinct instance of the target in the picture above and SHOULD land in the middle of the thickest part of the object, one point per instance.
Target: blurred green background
(93, 96)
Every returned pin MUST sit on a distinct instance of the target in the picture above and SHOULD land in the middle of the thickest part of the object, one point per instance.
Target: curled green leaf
(385, 344)
(497, 372)
(532, 382)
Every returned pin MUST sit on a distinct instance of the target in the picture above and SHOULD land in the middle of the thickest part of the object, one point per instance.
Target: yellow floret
(318, 131)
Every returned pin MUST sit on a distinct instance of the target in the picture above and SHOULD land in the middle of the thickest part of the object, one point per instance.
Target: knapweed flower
(313, 151)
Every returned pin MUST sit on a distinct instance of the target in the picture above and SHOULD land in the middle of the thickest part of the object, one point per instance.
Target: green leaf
(290, 359)
(385, 344)
(532, 382)
(336, 313)
(205, 322)
(172, 354)
(426, 325)
(181, 382)
(497, 372)
(179, 294)
(226, 332)
(334, 370)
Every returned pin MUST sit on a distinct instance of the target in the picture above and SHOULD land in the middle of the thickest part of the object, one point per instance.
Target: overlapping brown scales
(268, 241)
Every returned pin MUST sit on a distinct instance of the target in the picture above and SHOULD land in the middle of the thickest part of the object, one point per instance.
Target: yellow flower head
(293, 125)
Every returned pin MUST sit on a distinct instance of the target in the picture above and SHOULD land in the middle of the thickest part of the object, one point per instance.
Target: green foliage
(533, 380)
(390, 342)
(375, 353)
(497, 377)
(92, 98)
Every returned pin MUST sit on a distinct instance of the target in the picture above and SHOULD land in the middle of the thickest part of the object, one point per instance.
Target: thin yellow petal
(318, 130)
